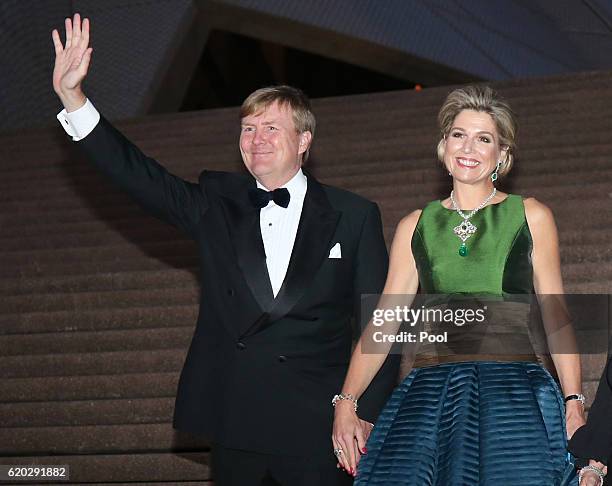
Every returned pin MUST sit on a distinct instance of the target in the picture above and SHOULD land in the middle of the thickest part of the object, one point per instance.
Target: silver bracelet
(596, 470)
(344, 396)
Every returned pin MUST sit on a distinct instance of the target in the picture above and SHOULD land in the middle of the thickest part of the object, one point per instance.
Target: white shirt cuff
(79, 123)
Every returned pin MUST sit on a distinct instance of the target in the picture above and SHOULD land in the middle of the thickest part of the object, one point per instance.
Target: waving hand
(71, 62)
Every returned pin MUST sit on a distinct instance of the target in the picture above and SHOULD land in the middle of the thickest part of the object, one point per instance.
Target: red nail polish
(364, 450)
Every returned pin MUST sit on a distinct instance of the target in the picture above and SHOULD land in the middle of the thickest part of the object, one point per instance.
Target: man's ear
(305, 141)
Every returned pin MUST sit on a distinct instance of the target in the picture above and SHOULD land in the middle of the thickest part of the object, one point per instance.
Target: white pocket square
(336, 251)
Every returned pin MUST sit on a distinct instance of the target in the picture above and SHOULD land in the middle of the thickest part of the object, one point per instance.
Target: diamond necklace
(466, 229)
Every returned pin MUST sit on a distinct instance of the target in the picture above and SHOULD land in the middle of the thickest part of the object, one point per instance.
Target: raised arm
(161, 193)
(350, 433)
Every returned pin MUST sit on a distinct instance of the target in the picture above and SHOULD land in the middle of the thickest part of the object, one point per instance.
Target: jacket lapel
(317, 226)
(245, 233)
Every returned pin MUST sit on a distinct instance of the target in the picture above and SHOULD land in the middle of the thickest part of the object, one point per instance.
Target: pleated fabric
(471, 423)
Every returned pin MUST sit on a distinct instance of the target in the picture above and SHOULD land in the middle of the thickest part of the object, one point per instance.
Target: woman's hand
(349, 437)
(574, 417)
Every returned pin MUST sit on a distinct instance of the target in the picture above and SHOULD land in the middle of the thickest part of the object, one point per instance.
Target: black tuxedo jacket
(594, 440)
(261, 371)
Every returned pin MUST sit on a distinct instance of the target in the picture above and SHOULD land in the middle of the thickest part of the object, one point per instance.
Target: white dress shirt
(79, 123)
(278, 225)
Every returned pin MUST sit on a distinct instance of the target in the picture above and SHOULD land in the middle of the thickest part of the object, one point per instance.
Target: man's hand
(589, 478)
(71, 62)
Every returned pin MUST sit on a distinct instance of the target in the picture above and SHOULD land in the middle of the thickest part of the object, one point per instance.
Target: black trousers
(233, 467)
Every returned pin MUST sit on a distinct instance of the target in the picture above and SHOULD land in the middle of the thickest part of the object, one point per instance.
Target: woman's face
(472, 148)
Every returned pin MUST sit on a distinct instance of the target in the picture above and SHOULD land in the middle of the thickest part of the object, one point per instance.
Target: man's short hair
(303, 118)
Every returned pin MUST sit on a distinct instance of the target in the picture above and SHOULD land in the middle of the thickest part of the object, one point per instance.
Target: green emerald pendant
(463, 250)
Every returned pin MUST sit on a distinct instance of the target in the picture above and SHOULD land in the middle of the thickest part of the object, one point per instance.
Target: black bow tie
(260, 198)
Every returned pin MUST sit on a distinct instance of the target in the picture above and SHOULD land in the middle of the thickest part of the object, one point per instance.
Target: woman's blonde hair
(483, 99)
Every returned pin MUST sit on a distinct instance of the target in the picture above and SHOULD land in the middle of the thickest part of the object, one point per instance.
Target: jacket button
(240, 345)
(230, 292)
(282, 359)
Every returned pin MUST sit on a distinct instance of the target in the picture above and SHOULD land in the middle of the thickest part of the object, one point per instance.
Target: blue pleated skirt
(471, 423)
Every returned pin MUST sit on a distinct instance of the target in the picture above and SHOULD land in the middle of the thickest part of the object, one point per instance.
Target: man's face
(270, 146)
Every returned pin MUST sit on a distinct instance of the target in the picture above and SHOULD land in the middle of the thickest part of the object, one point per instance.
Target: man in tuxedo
(284, 261)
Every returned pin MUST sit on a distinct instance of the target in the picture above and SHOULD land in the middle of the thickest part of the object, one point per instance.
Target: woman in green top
(478, 419)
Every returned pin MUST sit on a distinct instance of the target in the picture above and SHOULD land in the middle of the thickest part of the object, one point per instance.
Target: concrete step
(144, 228)
(378, 187)
(16, 304)
(123, 226)
(57, 268)
(417, 170)
(591, 287)
(98, 319)
(101, 237)
(170, 278)
(94, 187)
(94, 439)
(184, 277)
(61, 194)
(177, 142)
(89, 387)
(412, 126)
(146, 339)
(64, 413)
(168, 251)
(164, 234)
(167, 468)
(83, 364)
(186, 159)
(585, 272)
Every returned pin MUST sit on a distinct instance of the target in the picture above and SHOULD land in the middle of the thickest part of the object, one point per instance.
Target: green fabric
(499, 253)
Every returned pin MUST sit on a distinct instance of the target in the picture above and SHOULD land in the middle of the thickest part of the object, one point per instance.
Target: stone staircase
(98, 300)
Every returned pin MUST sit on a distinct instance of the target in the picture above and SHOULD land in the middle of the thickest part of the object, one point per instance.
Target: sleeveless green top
(499, 253)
